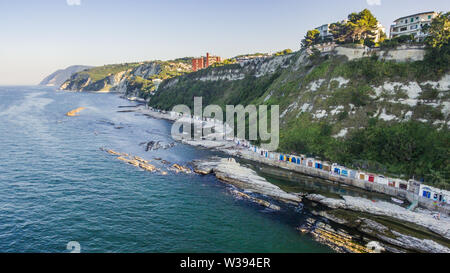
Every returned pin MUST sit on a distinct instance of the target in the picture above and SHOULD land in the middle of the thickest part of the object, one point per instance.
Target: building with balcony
(412, 25)
(325, 31)
(204, 62)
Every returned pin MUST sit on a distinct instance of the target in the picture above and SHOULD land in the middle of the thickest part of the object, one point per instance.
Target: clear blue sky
(38, 37)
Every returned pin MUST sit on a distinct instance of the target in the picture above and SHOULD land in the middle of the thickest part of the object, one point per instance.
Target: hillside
(136, 79)
(377, 111)
(60, 76)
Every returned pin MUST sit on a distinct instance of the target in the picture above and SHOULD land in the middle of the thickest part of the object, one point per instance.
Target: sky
(38, 37)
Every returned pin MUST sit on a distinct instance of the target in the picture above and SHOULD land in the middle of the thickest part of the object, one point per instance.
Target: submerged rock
(255, 200)
(337, 239)
(109, 151)
(135, 161)
(156, 145)
(74, 112)
(178, 168)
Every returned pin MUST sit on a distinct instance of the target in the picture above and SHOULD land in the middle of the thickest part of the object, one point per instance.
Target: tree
(311, 38)
(396, 41)
(284, 52)
(362, 26)
(438, 31)
(339, 31)
(438, 51)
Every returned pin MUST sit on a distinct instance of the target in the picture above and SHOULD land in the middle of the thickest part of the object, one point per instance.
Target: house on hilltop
(412, 25)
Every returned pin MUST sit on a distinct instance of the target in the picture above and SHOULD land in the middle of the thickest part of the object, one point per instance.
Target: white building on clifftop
(412, 24)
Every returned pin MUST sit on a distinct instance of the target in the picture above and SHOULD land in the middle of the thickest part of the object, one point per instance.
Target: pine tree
(311, 38)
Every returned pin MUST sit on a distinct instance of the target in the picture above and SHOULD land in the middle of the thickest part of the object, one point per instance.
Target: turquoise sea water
(56, 185)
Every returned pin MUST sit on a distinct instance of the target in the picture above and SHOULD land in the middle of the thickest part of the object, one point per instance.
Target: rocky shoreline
(369, 219)
(387, 226)
(383, 222)
(231, 172)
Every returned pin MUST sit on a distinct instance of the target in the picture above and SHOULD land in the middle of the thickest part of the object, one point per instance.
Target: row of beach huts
(434, 194)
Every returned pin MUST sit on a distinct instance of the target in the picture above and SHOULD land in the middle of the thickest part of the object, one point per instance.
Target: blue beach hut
(344, 172)
(337, 170)
(319, 165)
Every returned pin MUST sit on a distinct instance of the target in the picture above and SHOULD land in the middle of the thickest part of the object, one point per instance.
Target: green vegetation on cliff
(101, 72)
(130, 78)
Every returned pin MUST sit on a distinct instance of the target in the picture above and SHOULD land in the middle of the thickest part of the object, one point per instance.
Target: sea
(59, 189)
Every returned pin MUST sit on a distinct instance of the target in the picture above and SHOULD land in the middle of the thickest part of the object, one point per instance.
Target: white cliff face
(395, 101)
(315, 85)
(341, 82)
(255, 67)
(441, 85)
(122, 81)
(147, 70)
(410, 95)
(223, 75)
(341, 133)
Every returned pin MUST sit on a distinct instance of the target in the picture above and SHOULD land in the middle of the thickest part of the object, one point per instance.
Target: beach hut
(414, 186)
(318, 165)
(353, 173)
(402, 184)
(435, 194)
(310, 162)
(371, 178)
(294, 160)
(281, 157)
(344, 172)
(339, 170)
(304, 160)
(326, 166)
(392, 182)
(336, 169)
(381, 180)
(426, 192)
(362, 176)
